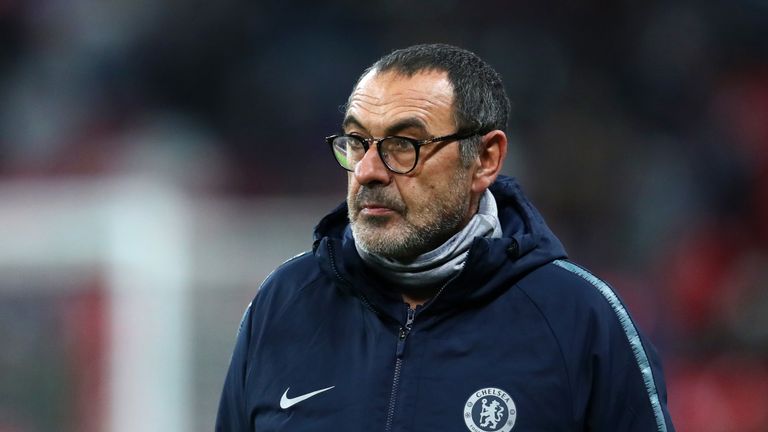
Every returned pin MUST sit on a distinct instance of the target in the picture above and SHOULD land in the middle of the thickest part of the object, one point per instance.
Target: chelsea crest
(490, 409)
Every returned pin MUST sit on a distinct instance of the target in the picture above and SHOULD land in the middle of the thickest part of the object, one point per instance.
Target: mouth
(373, 209)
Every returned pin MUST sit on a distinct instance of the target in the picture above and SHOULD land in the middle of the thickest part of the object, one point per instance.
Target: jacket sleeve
(233, 414)
(616, 379)
(628, 389)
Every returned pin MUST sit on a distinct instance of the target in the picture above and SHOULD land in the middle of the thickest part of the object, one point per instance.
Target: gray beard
(413, 239)
(437, 265)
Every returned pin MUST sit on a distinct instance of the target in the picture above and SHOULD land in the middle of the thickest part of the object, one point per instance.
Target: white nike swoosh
(286, 402)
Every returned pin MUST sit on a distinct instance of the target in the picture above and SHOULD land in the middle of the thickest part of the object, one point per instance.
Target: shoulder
(601, 344)
(293, 286)
(289, 278)
(585, 315)
(299, 268)
(581, 309)
(562, 285)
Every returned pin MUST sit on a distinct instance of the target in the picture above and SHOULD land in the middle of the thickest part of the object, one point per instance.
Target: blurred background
(158, 159)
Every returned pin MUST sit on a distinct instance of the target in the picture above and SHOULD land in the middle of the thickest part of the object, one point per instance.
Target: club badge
(490, 409)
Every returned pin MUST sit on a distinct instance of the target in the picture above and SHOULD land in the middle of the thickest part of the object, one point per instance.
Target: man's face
(404, 215)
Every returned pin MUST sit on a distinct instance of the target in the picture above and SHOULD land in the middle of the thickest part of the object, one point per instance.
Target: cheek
(352, 185)
(418, 195)
(352, 189)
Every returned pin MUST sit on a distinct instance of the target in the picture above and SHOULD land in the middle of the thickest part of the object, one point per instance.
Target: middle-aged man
(436, 298)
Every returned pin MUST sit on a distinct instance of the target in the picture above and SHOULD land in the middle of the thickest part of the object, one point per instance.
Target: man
(436, 298)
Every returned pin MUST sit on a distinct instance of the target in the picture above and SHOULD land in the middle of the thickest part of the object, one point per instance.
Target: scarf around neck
(438, 265)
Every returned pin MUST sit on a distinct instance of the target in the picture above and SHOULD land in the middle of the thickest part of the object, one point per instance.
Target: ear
(490, 160)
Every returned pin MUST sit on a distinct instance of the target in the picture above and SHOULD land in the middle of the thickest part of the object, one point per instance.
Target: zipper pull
(409, 319)
(404, 331)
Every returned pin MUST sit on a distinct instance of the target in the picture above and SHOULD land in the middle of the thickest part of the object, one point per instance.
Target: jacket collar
(492, 266)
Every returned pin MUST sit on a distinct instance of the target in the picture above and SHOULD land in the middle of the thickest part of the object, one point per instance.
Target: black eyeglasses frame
(417, 144)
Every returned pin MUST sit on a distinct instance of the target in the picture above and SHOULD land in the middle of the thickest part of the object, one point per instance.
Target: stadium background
(158, 159)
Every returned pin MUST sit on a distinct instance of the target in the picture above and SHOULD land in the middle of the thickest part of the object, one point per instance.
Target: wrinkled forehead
(381, 99)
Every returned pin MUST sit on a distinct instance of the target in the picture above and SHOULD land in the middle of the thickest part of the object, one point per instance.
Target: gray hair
(480, 102)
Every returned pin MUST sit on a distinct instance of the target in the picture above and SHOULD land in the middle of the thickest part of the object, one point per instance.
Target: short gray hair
(480, 102)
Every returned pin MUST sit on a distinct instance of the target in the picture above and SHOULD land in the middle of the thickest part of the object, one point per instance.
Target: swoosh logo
(286, 402)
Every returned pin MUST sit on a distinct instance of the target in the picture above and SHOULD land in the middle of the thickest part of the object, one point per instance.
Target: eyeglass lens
(397, 153)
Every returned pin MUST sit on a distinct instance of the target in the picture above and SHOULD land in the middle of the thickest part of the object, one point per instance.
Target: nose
(371, 169)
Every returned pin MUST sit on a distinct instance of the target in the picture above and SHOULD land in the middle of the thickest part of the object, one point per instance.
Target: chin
(377, 238)
(386, 223)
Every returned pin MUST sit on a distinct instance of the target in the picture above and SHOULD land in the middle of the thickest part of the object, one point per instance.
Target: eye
(398, 145)
(354, 143)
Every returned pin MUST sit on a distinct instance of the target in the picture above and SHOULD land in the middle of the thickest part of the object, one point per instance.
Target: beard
(429, 222)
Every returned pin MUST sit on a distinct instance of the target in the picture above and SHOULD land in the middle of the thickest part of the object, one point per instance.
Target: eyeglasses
(399, 154)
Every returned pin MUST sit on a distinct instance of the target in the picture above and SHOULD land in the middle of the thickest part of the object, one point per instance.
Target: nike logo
(286, 402)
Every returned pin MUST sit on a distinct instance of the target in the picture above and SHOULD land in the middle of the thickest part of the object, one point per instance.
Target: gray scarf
(437, 266)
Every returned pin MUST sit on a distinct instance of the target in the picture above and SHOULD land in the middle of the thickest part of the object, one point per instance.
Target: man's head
(479, 99)
(423, 92)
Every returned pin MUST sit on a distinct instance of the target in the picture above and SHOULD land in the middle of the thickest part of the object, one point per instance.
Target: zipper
(403, 333)
(361, 296)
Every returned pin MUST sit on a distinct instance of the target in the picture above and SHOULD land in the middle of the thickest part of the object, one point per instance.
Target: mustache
(378, 196)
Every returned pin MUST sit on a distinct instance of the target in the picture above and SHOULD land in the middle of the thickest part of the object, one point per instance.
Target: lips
(373, 209)
(374, 205)
(377, 202)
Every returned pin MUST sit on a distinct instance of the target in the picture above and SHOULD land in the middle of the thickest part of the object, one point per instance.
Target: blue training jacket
(521, 340)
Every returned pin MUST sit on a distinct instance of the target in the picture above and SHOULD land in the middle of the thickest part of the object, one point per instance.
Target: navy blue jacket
(521, 340)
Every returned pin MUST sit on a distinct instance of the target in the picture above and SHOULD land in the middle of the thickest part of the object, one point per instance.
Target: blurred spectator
(639, 129)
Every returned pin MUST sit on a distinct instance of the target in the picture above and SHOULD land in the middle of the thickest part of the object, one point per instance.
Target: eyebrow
(352, 121)
(394, 129)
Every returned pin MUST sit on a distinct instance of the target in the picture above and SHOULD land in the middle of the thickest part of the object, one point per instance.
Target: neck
(420, 279)
(419, 298)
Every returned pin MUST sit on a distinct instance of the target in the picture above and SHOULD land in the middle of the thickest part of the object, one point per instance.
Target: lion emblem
(491, 414)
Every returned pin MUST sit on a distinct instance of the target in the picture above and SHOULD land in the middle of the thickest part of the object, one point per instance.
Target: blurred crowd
(640, 129)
